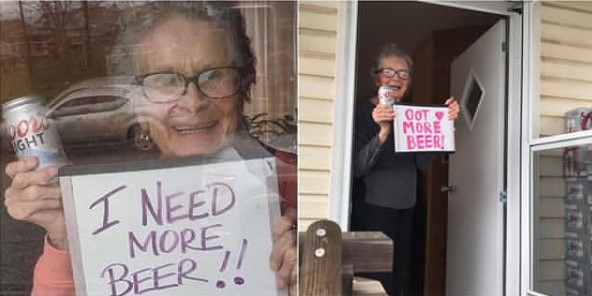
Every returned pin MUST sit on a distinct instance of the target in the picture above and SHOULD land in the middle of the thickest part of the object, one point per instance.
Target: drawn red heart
(440, 115)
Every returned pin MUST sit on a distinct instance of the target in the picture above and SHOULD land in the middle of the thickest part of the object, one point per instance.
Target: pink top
(53, 273)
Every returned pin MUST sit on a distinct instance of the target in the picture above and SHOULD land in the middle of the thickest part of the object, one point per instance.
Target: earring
(142, 140)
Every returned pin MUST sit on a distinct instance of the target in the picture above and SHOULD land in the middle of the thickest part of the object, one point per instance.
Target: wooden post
(320, 272)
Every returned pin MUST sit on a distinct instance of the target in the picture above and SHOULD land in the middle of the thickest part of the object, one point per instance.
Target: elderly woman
(195, 67)
(390, 179)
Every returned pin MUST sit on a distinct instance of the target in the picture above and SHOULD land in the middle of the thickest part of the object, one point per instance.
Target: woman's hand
(383, 115)
(35, 197)
(453, 108)
(283, 255)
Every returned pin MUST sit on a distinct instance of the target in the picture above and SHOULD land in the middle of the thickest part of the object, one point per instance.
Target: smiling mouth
(192, 129)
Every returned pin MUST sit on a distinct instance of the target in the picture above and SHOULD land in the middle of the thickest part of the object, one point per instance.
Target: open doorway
(433, 35)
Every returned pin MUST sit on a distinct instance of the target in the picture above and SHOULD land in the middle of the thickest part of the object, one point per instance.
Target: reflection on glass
(562, 233)
(67, 52)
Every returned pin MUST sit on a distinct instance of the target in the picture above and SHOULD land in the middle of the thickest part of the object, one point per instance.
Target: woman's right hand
(34, 196)
(383, 115)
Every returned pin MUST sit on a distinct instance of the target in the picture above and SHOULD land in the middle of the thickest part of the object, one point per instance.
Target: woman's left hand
(283, 255)
(453, 108)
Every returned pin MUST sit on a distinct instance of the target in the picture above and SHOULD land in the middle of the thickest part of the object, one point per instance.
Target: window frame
(533, 143)
(339, 208)
(343, 114)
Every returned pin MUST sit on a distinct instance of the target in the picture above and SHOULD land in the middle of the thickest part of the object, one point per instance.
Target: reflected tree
(62, 40)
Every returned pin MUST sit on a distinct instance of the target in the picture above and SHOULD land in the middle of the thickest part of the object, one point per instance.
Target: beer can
(31, 133)
(385, 95)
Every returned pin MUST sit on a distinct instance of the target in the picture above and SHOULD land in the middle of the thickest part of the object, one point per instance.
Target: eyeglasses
(390, 73)
(214, 83)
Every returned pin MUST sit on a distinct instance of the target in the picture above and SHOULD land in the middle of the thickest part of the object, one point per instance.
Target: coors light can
(385, 95)
(31, 133)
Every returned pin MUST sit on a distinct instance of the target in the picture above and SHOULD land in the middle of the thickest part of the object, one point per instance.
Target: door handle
(448, 189)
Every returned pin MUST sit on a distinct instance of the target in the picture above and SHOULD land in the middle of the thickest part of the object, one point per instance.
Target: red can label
(28, 133)
(31, 132)
(385, 95)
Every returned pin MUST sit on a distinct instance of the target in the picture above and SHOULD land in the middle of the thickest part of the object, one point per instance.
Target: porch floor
(367, 287)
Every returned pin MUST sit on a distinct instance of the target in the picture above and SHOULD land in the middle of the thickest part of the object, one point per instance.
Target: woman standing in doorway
(390, 178)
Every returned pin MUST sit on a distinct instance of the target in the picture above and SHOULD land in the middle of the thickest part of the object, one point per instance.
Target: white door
(475, 242)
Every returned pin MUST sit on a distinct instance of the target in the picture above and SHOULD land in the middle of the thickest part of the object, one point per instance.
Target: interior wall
(404, 23)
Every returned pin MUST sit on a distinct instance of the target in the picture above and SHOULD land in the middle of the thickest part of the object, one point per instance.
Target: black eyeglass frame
(395, 72)
(139, 80)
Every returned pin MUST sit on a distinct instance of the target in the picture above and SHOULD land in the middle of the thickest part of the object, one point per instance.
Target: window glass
(92, 52)
(474, 99)
(561, 179)
(562, 221)
(565, 62)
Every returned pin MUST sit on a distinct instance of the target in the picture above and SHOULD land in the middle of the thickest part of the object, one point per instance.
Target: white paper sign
(193, 230)
(421, 128)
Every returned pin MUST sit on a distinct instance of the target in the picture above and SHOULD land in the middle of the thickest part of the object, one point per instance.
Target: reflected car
(98, 110)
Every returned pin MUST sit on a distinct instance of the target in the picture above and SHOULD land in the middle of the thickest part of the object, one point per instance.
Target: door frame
(343, 114)
(531, 52)
(514, 154)
(340, 186)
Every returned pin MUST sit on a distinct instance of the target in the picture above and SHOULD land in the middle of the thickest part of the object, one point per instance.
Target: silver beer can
(385, 95)
(31, 133)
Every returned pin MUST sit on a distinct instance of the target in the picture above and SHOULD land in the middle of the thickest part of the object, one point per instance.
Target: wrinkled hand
(35, 197)
(283, 255)
(453, 108)
(383, 115)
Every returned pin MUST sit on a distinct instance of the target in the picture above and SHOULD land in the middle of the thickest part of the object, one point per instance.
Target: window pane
(562, 203)
(565, 62)
(474, 98)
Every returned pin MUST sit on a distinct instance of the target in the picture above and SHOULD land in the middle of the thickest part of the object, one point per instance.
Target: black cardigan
(390, 178)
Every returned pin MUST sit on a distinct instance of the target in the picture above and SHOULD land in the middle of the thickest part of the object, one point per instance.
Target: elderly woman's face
(190, 123)
(395, 81)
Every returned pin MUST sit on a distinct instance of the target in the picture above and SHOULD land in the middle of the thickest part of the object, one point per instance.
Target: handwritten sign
(196, 230)
(420, 128)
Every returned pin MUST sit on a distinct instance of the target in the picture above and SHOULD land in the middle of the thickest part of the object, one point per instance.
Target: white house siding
(566, 62)
(565, 83)
(317, 32)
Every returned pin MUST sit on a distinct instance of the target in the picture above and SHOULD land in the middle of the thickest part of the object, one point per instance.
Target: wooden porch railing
(330, 258)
